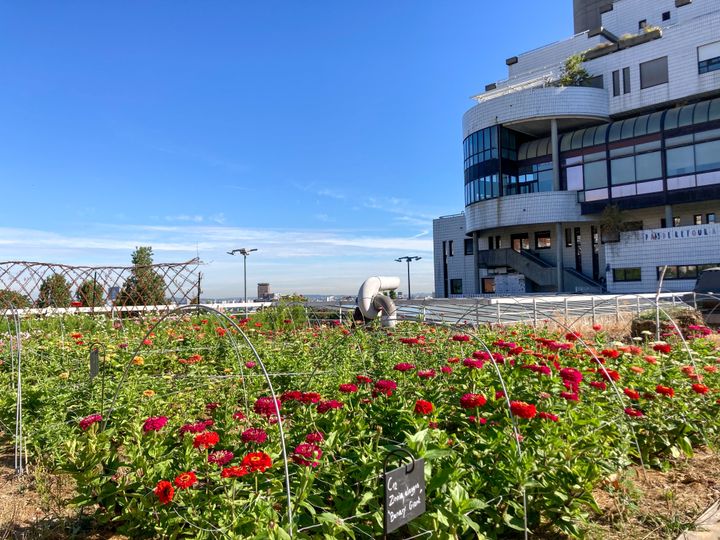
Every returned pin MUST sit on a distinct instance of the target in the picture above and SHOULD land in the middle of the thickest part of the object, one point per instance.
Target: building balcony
(526, 209)
(528, 109)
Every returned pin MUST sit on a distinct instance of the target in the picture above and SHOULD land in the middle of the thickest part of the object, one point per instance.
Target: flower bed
(515, 424)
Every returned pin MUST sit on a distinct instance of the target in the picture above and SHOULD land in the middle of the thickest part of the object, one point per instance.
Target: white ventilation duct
(371, 303)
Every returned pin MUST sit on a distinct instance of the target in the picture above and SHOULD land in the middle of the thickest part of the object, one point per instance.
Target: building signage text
(680, 233)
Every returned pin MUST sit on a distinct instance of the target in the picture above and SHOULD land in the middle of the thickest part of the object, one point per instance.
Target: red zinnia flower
(88, 421)
(610, 374)
(630, 411)
(257, 461)
(548, 416)
(363, 379)
(404, 366)
(522, 409)
(700, 388)
(386, 387)
(427, 374)
(597, 327)
(310, 397)
(461, 337)
(446, 369)
(471, 401)
(423, 407)
(315, 437)
(220, 457)
(473, 363)
(325, 406)
(307, 454)
(570, 396)
(600, 385)
(238, 415)
(254, 435)
(154, 423)
(665, 390)
(348, 388)
(164, 491)
(291, 395)
(234, 472)
(662, 348)
(632, 394)
(266, 406)
(197, 427)
(185, 480)
(206, 440)
(220, 331)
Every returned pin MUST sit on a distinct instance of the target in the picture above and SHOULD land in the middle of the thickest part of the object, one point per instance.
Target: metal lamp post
(408, 259)
(244, 252)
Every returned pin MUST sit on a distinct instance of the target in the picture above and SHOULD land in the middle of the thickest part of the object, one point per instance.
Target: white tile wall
(648, 249)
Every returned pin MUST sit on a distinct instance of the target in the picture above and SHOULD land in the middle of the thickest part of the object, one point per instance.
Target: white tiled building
(598, 184)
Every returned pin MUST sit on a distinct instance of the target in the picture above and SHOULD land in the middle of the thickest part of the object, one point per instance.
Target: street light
(244, 252)
(408, 259)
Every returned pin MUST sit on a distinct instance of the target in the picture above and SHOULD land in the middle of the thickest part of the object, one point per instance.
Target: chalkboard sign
(404, 494)
(94, 363)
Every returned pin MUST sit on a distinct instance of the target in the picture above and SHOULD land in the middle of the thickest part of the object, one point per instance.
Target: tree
(144, 287)
(573, 73)
(612, 223)
(54, 292)
(90, 293)
(13, 299)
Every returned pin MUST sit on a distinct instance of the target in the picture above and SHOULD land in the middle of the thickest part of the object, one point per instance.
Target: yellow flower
(138, 360)
(228, 370)
(149, 393)
(64, 375)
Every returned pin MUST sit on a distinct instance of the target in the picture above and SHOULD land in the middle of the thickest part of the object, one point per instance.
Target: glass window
(697, 219)
(589, 137)
(542, 240)
(676, 222)
(451, 252)
(565, 142)
(679, 141)
(615, 128)
(710, 218)
(627, 128)
(627, 274)
(600, 134)
(680, 160)
(648, 166)
(709, 57)
(587, 158)
(654, 72)
(577, 139)
(654, 122)
(568, 237)
(641, 125)
(595, 174)
(626, 80)
(671, 119)
(714, 111)
(652, 145)
(707, 135)
(701, 112)
(469, 246)
(456, 286)
(622, 170)
(686, 116)
(707, 156)
(616, 83)
(574, 178)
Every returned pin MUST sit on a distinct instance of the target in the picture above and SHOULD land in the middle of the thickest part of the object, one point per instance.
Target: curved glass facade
(662, 151)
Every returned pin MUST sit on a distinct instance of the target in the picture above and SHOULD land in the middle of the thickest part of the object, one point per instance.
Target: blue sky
(325, 134)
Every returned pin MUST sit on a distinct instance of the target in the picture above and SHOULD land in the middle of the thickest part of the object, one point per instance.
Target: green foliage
(54, 292)
(14, 299)
(573, 73)
(474, 474)
(145, 287)
(91, 294)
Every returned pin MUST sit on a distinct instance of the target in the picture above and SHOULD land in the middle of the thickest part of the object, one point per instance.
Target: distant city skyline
(325, 135)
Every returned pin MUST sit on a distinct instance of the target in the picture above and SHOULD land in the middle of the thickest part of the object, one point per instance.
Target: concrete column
(555, 154)
(559, 266)
(476, 262)
(668, 216)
